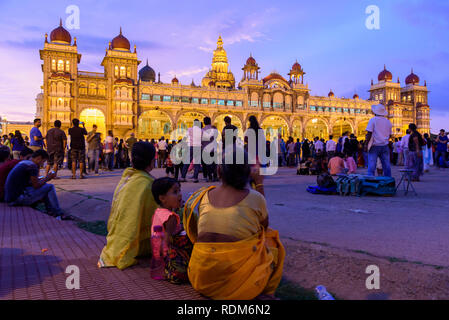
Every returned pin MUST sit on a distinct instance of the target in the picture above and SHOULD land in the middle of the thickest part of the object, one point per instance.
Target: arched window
(67, 66)
(83, 88)
(102, 90)
(116, 71)
(128, 72)
(60, 89)
(122, 72)
(254, 99)
(53, 65)
(92, 89)
(60, 65)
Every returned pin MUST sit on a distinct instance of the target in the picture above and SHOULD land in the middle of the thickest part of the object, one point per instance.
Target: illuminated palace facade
(125, 99)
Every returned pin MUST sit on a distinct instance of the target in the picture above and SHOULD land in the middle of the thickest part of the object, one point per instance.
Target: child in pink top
(177, 246)
(350, 164)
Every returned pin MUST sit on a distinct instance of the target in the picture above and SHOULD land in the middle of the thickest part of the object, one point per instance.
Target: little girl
(176, 245)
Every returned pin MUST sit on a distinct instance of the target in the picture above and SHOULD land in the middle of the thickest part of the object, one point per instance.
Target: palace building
(125, 99)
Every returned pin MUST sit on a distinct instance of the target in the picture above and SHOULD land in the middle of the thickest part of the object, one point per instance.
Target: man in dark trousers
(56, 144)
(77, 147)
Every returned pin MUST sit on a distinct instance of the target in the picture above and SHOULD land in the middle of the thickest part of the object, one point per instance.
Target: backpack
(325, 180)
(361, 185)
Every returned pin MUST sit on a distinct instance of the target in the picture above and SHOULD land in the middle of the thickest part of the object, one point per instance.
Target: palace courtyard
(330, 240)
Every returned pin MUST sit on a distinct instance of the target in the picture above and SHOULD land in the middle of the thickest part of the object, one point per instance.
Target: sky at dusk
(327, 37)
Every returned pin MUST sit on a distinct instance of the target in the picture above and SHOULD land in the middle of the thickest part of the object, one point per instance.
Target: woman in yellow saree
(133, 206)
(235, 255)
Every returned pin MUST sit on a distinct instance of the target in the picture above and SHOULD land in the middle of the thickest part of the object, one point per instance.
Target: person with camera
(24, 187)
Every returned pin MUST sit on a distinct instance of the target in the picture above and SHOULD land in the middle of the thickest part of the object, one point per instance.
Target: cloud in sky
(187, 72)
(328, 38)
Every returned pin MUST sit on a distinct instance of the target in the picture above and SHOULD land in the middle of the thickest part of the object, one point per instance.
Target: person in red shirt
(336, 164)
(7, 166)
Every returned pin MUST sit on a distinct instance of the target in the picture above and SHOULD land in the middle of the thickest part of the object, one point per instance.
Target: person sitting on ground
(23, 187)
(302, 168)
(336, 164)
(132, 209)
(7, 166)
(235, 255)
(350, 164)
(177, 246)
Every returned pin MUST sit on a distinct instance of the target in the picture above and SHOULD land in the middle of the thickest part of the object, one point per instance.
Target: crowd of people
(219, 226)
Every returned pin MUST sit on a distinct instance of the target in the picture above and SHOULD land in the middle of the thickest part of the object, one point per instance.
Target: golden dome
(120, 42)
(385, 75)
(412, 78)
(60, 35)
(274, 75)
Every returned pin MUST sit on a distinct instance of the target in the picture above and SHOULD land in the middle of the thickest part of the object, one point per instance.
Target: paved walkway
(36, 249)
(412, 228)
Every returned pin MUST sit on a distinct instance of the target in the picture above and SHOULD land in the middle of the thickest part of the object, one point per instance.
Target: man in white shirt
(162, 151)
(194, 140)
(319, 146)
(404, 146)
(378, 136)
(331, 146)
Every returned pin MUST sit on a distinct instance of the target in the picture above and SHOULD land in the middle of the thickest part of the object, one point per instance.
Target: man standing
(404, 146)
(331, 147)
(379, 132)
(351, 146)
(228, 126)
(93, 149)
(162, 147)
(194, 140)
(109, 147)
(77, 147)
(441, 148)
(415, 156)
(208, 133)
(37, 140)
(56, 144)
(129, 144)
(319, 147)
(24, 188)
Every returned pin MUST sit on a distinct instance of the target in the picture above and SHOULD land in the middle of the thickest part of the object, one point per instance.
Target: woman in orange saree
(235, 255)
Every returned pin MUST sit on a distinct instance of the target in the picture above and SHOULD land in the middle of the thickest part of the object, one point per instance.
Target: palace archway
(91, 116)
(154, 124)
(316, 128)
(340, 127)
(297, 130)
(185, 121)
(361, 130)
(275, 125)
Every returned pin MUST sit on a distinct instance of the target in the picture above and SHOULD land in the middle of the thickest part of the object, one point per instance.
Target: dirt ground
(342, 272)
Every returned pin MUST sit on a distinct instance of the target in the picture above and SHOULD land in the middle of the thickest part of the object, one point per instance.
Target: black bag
(325, 180)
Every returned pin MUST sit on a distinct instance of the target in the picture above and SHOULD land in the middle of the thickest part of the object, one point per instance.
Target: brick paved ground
(28, 271)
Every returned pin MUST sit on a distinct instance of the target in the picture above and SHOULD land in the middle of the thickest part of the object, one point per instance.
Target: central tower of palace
(219, 76)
